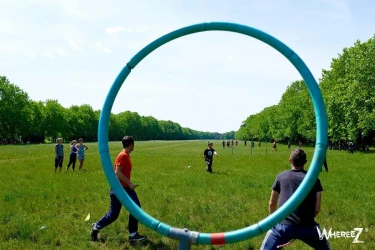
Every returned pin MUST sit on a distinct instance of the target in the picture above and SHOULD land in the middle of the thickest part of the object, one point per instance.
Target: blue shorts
(282, 234)
(81, 157)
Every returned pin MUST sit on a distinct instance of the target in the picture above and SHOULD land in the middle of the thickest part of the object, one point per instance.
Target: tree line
(348, 90)
(37, 121)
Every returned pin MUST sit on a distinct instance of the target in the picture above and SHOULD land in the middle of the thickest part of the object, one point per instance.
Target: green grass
(235, 196)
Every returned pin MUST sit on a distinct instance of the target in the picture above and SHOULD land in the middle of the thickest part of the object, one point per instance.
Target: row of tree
(348, 89)
(36, 121)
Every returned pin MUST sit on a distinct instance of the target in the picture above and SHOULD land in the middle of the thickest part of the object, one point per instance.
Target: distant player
(59, 154)
(351, 147)
(274, 148)
(208, 157)
(223, 144)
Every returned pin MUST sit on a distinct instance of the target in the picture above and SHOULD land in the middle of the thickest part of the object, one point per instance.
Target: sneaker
(94, 233)
(137, 237)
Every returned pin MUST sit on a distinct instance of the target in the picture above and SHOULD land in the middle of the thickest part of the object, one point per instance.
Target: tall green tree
(14, 111)
(35, 133)
(55, 123)
(348, 89)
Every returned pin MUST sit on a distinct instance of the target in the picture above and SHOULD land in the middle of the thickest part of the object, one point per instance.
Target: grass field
(43, 210)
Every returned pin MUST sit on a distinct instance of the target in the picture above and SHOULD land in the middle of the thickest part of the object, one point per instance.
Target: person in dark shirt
(208, 157)
(274, 146)
(301, 223)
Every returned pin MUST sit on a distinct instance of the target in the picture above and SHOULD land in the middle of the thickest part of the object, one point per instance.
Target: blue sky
(72, 50)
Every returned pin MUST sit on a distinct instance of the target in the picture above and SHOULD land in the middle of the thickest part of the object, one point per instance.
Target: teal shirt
(59, 149)
(81, 150)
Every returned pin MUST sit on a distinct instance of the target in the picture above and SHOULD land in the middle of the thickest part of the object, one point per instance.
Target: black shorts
(59, 161)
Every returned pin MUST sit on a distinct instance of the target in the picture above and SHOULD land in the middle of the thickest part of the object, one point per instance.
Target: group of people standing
(229, 143)
(76, 151)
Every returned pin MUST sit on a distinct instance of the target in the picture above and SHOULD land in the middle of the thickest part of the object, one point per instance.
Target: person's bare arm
(122, 177)
(273, 201)
(318, 201)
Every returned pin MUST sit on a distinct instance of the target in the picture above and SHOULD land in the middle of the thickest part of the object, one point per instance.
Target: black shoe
(94, 233)
(137, 237)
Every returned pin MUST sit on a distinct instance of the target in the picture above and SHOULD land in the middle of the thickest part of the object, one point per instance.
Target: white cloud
(11, 4)
(71, 7)
(340, 9)
(75, 45)
(61, 51)
(142, 29)
(101, 47)
(2, 65)
(19, 5)
(8, 28)
(48, 55)
(31, 55)
(133, 46)
(113, 30)
(116, 29)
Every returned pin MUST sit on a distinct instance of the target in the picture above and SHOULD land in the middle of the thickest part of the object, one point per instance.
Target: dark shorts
(59, 161)
(282, 234)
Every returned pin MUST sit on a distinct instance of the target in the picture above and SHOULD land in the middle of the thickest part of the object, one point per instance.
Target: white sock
(132, 234)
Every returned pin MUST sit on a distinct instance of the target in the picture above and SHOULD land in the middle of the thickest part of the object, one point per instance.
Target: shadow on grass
(219, 172)
(150, 245)
(145, 244)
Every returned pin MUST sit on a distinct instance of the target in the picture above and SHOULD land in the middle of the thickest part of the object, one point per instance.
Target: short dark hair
(127, 141)
(298, 157)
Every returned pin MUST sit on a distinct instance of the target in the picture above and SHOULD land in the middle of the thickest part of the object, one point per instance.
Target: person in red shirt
(123, 167)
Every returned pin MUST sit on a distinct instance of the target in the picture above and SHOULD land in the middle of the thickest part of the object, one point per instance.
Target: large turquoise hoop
(266, 223)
